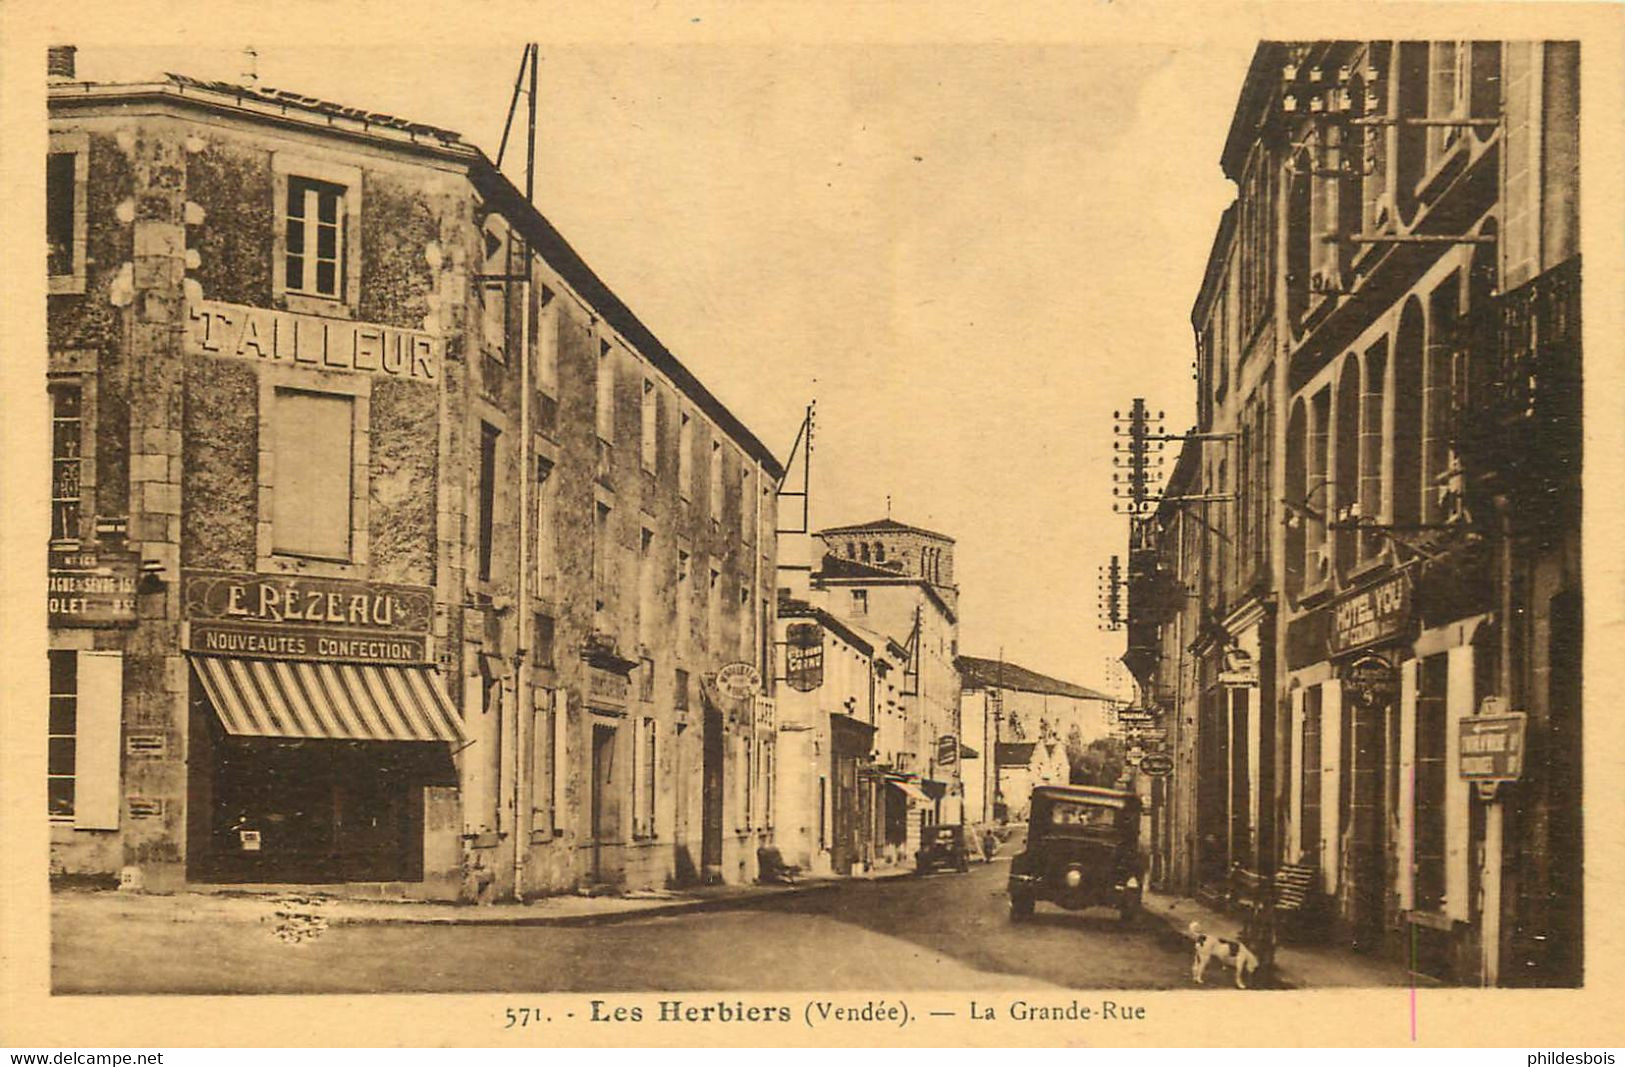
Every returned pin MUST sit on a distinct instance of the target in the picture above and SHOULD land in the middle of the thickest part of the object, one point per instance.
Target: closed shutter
(559, 753)
(101, 713)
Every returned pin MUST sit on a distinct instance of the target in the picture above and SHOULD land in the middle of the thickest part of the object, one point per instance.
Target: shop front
(321, 739)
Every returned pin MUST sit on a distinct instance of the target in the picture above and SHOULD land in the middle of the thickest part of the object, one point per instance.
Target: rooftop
(886, 525)
(978, 673)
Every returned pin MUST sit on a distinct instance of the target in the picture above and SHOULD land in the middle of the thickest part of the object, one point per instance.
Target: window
(715, 486)
(84, 738)
(650, 412)
(1318, 562)
(1438, 398)
(313, 259)
(488, 488)
(1427, 854)
(747, 501)
(600, 560)
(646, 679)
(1407, 457)
(880, 552)
(547, 528)
(542, 639)
(713, 611)
(860, 601)
(1371, 404)
(314, 471)
(685, 601)
(606, 393)
(647, 779)
(62, 736)
(67, 463)
(767, 784)
(646, 587)
(1297, 492)
(65, 212)
(546, 330)
(685, 456)
(680, 695)
(1344, 498)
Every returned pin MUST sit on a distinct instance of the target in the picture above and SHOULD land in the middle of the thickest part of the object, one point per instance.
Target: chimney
(59, 62)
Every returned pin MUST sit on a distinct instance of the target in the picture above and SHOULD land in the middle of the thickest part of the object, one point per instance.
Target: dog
(1232, 954)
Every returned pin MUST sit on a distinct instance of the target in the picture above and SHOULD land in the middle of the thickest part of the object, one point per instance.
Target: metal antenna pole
(513, 104)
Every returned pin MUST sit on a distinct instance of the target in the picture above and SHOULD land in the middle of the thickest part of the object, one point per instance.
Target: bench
(1291, 893)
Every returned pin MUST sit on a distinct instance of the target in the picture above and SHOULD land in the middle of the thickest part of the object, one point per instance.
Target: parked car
(942, 846)
(1082, 850)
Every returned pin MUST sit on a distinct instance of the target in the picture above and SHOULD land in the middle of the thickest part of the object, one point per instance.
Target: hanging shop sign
(1157, 764)
(87, 587)
(1135, 717)
(1370, 616)
(215, 328)
(947, 751)
(739, 681)
(306, 618)
(1492, 747)
(804, 656)
(1369, 680)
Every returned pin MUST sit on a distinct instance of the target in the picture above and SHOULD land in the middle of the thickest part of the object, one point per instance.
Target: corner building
(390, 551)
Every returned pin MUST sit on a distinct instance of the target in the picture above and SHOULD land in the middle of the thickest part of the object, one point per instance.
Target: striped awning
(909, 789)
(337, 701)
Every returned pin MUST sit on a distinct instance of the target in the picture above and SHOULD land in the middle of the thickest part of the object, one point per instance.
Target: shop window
(315, 461)
(67, 462)
(66, 168)
(1428, 821)
(488, 484)
(649, 451)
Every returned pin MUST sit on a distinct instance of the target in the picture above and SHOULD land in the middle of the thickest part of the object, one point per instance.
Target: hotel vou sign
(1370, 616)
(214, 328)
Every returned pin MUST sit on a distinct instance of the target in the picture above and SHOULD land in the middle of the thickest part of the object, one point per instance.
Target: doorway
(711, 798)
(603, 782)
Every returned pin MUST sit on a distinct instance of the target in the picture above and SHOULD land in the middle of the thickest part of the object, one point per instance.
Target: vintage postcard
(811, 524)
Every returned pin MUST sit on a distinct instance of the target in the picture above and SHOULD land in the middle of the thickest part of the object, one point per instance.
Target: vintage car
(1083, 849)
(942, 846)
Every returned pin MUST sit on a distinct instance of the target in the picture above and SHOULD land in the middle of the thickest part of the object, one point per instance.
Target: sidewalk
(1296, 966)
(562, 910)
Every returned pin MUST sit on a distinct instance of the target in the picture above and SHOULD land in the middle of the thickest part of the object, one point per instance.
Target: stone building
(1404, 252)
(389, 547)
(896, 581)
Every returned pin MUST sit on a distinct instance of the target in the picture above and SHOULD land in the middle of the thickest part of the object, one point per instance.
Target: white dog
(1231, 954)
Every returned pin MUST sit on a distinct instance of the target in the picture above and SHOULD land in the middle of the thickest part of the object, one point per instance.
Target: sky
(969, 252)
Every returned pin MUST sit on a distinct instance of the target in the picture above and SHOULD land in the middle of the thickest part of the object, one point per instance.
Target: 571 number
(523, 1017)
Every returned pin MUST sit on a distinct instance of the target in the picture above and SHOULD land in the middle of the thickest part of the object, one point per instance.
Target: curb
(720, 903)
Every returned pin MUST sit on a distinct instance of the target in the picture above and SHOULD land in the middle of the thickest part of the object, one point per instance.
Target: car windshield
(1072, 814)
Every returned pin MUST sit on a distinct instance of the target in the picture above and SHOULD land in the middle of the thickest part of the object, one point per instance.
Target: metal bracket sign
(739, 681)
(1492, 749)
(1157, 764)
(804, 656)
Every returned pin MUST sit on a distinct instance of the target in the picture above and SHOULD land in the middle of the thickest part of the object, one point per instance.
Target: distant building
(1032, 717)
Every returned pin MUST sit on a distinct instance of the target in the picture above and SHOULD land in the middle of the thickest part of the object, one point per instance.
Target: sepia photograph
(1055, 519)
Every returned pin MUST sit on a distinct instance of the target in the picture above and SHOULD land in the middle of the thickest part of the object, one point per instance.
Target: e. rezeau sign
(215, 328)
(306, 618)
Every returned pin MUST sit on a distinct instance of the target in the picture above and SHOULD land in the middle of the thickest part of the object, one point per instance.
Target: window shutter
(1407, 782)
(559, 752)
(99, 737)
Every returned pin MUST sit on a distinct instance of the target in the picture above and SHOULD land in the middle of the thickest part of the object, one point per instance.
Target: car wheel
(1021, 908)
(1128, 909)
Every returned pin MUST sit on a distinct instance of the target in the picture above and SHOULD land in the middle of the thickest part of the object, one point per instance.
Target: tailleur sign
(1370, 616)
(306, 618)
(214, 328)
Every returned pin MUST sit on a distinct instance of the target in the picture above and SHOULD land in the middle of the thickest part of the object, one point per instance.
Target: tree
(1100, 762)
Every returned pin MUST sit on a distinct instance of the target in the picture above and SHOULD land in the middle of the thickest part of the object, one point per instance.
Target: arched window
(1405, 457)
(1344, 495)
(1318, 493)
(1410, 142)
(1438, 431)
(880, 552)
(863, 551)
(1371, 487)
(1297, 443)
(851, 550)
